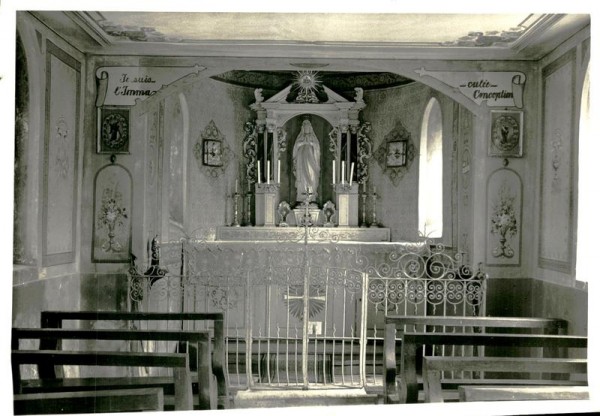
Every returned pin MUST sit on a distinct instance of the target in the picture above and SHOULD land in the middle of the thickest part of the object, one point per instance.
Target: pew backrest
(411, 343)
(199, 338)
(503, 393)
(544, 325)
(395, 325)
(55, 319)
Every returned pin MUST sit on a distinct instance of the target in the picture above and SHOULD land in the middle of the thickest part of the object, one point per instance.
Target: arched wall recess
(111, 240)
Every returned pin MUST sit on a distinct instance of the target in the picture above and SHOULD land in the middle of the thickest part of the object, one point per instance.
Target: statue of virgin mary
(307, 163)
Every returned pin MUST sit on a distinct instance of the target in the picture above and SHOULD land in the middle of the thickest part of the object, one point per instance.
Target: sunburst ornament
(307, 83)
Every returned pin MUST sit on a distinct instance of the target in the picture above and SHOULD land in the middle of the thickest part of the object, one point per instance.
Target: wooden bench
(55, 319)
(433, 368)
(181, 378)
(396, 324)
(95, 401)
(503, 393)
(54, 335)
(412, 343)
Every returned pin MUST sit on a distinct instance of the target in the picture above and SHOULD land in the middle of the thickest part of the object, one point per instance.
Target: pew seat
(179, 363)
(434, 367)
(94, 401)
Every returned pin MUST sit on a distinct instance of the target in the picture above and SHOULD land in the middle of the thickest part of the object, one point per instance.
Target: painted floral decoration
(504, 223)
(111, 216)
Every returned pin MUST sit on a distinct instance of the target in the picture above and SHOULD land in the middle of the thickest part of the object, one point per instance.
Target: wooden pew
(54, 335)
(181, 379)
(503, 393)
(95, 401)
(412, 343)
(394, 323)
(55, 319)
(433, 368)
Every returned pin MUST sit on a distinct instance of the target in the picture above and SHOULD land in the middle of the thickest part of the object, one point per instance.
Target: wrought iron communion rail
(267, 289)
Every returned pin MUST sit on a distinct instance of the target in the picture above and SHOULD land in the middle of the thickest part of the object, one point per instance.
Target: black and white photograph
(328, 208)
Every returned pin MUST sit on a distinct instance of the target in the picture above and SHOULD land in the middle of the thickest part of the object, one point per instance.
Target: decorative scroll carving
(364, 152)
(249, 146)
(281, 140)
(333, 135)
(395, 172)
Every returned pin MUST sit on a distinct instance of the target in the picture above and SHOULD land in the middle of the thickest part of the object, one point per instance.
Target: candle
(342, 173)
(333, 172)
(236, 186)
(374, 190)
(268, 172)
(278, 170)
(259, 172)
(351, 172)
(364, 187)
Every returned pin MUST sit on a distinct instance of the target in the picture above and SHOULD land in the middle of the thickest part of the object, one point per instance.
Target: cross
(313, 308)
(307, 221)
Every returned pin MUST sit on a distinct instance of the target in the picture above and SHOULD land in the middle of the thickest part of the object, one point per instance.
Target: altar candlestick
(278, 170)
(333, 172)
(343, 180)
(268, 172)
(351, 172)
(259, 172)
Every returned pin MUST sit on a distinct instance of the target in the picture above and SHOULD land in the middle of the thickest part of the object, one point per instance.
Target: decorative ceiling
(315, 37)
(422, 29)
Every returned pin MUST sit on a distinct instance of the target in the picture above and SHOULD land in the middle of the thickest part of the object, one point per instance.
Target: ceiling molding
(536, 31)
(311, 51)
(90, 27)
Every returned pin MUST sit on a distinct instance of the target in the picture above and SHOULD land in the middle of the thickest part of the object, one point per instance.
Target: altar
(298, 234)
(306, 165)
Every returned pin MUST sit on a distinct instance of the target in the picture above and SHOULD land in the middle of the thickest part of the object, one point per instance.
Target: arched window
(587, 194)
(431, 205)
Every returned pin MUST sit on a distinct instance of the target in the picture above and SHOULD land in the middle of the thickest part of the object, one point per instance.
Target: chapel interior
(203, 162)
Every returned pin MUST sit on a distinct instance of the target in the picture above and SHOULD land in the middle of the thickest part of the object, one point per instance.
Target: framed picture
(396, 153)
(113, 130)
(212, 152)
(506, 136)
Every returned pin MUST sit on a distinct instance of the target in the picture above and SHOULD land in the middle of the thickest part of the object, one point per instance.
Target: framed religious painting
(396, 153)
(506, 136)
(113, 130)
(212, 152)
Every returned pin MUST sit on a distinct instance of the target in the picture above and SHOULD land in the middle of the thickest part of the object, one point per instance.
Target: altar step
(245, 399)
